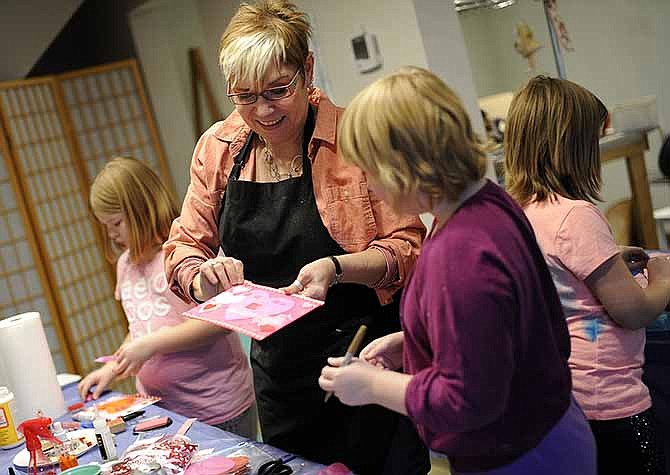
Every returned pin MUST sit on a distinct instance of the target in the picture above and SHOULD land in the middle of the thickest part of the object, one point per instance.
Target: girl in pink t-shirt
(198, 369)
(552, 168)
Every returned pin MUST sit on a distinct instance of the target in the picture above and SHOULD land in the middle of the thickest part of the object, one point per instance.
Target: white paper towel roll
(27, 367)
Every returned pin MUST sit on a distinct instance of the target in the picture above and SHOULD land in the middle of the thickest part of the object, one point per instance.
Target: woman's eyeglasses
(272, 94)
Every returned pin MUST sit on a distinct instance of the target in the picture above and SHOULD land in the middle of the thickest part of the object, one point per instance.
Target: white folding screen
(61, 131)
(110, 117)
(23, 283)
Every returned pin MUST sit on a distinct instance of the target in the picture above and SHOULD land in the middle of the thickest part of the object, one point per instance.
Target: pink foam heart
(211, 466)
(335, 469)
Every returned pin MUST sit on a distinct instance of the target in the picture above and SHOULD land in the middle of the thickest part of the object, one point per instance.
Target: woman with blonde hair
(269, 190)
(552, 168)
(198, 369)
(484, 344)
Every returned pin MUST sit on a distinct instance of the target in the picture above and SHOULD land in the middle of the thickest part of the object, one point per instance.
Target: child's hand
(634, 257)
(132, 355)
(352, 384)
(100, 378)
(385, 352)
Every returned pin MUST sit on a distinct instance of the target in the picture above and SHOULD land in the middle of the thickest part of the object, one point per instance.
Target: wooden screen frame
(20, 185)
(35, 241)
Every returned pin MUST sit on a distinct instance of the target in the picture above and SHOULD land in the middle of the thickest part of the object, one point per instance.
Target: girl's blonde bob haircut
(262, 37)
(130, 187)
(551, 142)
(410, 133)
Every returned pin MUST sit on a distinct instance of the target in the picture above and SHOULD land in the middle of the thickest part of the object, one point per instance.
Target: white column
(446, 54)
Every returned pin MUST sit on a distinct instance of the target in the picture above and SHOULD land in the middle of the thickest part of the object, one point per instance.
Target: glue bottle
(104, 438)
(9, 436)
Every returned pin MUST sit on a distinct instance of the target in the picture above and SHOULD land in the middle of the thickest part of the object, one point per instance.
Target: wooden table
(631, 147)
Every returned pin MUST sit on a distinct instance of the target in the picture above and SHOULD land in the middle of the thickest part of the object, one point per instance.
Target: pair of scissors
(276, 467)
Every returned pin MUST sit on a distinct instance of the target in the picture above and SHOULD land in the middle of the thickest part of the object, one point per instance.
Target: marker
(105, 359)
(351, 351)
(132, 415)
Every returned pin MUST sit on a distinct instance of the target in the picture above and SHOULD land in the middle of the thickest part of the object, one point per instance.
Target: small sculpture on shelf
(526, 45)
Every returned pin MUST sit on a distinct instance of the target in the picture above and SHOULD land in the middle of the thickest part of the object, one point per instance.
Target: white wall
(165, 29)
(20, 51)
(490, 36)
(619, 54)
(338, 21)
(214, 17)
(446, 52)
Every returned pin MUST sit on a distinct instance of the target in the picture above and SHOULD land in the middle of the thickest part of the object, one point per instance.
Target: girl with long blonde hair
(198, 369)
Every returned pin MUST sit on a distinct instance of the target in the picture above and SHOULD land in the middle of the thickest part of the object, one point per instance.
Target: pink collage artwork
(254, 310)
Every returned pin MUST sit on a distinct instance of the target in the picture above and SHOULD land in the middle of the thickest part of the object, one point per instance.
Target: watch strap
(338, 271)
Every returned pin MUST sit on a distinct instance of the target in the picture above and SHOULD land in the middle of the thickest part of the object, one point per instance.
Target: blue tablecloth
(206, 436)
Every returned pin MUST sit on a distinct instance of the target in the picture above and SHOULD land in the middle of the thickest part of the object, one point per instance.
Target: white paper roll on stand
(28, 368)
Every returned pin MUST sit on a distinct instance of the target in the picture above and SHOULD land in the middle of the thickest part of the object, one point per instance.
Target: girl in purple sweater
(484, 344)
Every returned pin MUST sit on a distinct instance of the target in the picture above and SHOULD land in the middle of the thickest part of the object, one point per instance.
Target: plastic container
(637, 114)
(9, 436)
(91, 469)
(66, 461)
(59, 432)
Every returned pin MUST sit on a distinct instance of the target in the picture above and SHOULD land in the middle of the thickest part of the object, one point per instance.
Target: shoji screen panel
(111, 116)
(55, 188)
(23, 283)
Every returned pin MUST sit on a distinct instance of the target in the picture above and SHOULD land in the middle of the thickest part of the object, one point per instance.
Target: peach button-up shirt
(352, 214)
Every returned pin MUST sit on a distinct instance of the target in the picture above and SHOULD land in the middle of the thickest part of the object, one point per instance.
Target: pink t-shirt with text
(212, 382)
(606, 359)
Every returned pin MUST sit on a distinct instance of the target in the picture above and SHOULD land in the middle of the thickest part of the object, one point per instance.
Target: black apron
(275, 229)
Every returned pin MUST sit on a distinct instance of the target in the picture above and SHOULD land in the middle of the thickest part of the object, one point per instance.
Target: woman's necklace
(294, 169)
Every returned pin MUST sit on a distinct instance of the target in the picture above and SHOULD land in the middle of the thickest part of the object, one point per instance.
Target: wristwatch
(338, 271)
